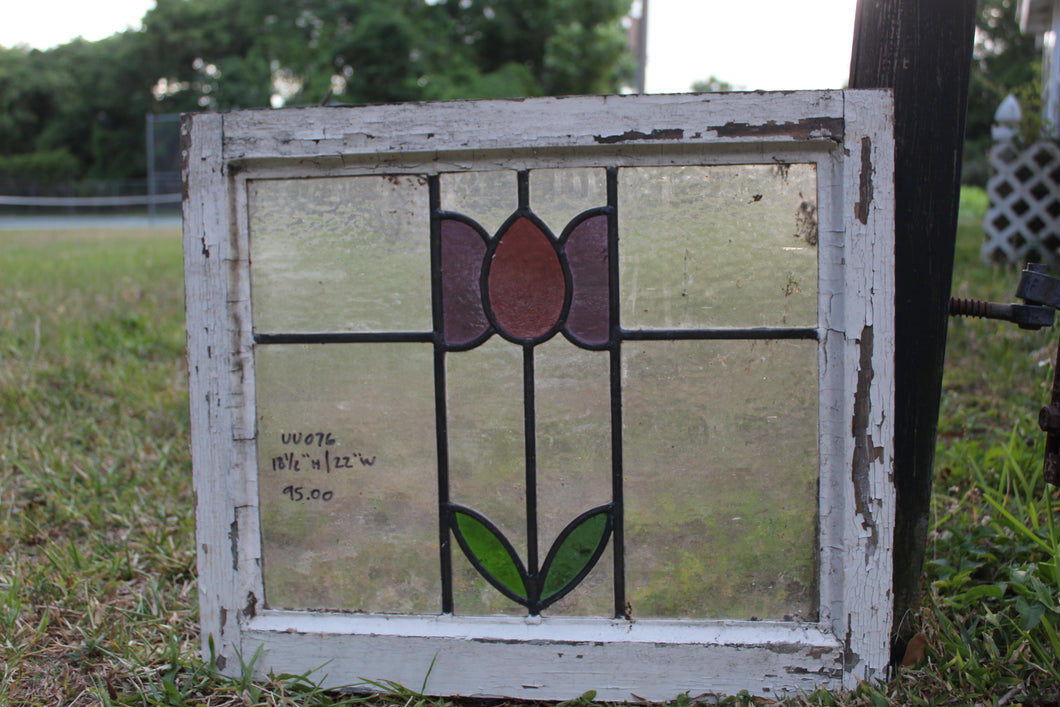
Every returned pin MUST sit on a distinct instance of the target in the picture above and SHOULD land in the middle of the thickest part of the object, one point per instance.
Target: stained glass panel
(529, 472)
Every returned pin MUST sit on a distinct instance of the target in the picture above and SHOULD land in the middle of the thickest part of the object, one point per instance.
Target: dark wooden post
(922, 49)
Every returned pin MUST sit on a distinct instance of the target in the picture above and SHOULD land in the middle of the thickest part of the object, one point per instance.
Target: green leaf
(576, 549)
(879, 700)
(1030, 613)
(490, 550)
(1050, 571)
(1051, 632)
(976, 594)
(1015, 524)
(584, 700)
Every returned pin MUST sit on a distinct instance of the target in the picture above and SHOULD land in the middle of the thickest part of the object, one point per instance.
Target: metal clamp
(1039, 292)
(1041, 296)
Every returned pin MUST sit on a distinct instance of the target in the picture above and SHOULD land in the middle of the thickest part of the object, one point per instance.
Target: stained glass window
(525, 390)
(605, 391)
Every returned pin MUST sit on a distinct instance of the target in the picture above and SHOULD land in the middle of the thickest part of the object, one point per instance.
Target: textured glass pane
(731, 245)
(488, 197)
(573, 457)
(487, 458)
(721, 474)
(347, 483)
(558, 195)
(342, 254)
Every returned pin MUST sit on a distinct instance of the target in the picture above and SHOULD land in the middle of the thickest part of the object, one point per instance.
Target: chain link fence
(156, 195)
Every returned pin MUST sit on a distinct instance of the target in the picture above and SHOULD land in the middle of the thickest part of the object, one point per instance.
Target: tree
(208, 55)
(568, 46)
(714, 85)
(224, 54)
(27, 98)
(1004, 61)
(99, 118)
(90, 98)
(83, 101)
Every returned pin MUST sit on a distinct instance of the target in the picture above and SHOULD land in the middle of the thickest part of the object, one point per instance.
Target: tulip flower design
(524, 284)
(527, 286)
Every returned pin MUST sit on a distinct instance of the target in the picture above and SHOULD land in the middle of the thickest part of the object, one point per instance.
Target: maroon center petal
(526, 287)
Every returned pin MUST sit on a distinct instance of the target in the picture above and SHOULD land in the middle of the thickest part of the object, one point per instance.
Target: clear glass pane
(340, 254)
(721, 471)
(488, 197)
(730, 245)
(573, 457)
(487, 458)
(558, 195)
(347, 477)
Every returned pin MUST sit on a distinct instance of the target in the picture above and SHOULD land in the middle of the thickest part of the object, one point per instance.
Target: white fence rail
(60, 201)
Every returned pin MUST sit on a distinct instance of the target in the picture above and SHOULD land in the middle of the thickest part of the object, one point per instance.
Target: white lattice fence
(1022, 222)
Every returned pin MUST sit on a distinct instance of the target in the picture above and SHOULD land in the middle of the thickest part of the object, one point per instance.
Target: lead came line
(530, 442)
(441, 426)
(618, 537)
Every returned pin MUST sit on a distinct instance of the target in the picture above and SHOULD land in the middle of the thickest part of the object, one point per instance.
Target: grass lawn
(97, 561)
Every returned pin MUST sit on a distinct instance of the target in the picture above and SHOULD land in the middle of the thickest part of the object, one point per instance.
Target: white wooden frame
(846, 133)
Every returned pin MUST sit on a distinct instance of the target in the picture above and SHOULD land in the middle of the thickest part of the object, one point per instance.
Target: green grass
(97, 563)
(992, 584)
(97, 568)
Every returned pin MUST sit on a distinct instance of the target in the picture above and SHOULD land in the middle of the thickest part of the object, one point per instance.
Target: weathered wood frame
(905, 46)
(847, 134)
